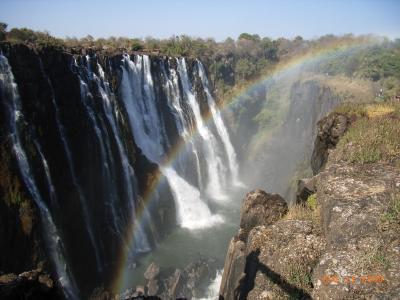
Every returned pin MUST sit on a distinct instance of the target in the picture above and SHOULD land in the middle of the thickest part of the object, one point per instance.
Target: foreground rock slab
(259, 208)
(362, 257)
(346, 248)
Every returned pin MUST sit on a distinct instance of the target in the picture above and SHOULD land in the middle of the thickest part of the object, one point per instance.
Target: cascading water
(171, 87)
(129, 179)
(138, 96)
(55, 247)
(216, 168)
(221, 128)
(111, 131)
(139, 99)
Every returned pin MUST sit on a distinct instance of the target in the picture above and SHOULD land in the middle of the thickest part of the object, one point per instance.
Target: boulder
(189, 282)
(32, 284)
(280, 260)
(152, 287)
(260, 208)
(152, 271)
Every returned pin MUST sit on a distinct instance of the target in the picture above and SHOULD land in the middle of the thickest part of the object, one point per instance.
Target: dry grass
(374, 258)
(371, 110)
(379, 110)
(391, 218)
(352, 90)
(299, 274)
(374, 136)
(370, 140)
(305, 212)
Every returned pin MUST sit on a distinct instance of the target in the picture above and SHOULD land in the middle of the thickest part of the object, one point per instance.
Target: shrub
(136, 45)
(312, 202)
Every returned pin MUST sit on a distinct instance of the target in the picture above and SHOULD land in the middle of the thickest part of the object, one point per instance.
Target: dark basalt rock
(305, 188)
(33, 284)
(330, 129)
(46, 76)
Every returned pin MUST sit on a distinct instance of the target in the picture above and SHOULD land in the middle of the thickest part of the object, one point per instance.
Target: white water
(216, 169)
(138, 96)
(171, 87)
(141, 243)
(51, 235)
(221, 128)
(140, 102)
(193, 213)
(212, 292)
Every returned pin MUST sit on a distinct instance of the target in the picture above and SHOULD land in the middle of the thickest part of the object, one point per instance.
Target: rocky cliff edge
(341, 239)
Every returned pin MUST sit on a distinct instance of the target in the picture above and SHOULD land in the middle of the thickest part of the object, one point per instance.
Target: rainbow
(337, 47)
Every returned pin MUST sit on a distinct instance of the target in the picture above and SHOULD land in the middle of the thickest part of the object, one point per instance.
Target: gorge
(103, 173)
(115, 165)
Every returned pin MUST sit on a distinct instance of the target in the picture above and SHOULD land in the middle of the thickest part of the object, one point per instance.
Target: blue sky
(204, 18)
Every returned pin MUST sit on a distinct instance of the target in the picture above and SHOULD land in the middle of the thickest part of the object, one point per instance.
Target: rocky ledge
(34, 284)
(339, 241)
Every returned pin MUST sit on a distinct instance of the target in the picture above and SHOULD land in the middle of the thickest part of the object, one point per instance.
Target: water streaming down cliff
(222, 130)
(216, 168)
(111, 125)
(138, 95)
(103, 135)
(12, 106)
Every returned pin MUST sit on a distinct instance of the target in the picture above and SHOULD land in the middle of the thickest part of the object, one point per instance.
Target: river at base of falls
(184, 246)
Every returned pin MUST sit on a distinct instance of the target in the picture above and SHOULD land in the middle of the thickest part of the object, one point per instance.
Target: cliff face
(83, 138)
(66, 157)
(340, 243)
(290, 145)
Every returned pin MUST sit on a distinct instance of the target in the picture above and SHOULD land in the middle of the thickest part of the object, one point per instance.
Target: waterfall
(216, 169)
(130, 190)
(72, 171)
(171, 88)
(192, 211)
(221, 128)
(138, 96)
(12, 107)
(108, 129)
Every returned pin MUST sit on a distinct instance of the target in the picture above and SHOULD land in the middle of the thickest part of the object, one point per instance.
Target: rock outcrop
(330, 129)
(189, 282)
(259, 208)
(361, 260)
(29, 285)
(346, 245)
(57, 134)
